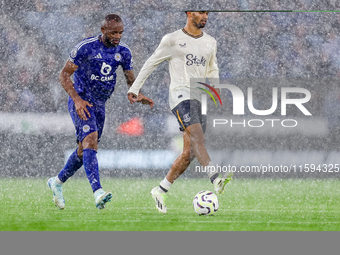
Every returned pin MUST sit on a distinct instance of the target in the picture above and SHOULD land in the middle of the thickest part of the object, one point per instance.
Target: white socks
(210, 166)
(212, 172)
(164, 185)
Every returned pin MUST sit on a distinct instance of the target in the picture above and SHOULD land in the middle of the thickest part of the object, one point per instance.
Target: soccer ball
(205, 203)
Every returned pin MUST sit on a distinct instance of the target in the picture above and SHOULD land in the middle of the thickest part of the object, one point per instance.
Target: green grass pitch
(247, 205)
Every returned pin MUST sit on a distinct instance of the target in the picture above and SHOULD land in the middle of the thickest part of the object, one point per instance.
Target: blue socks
(91, 168)
(72, 165)
(90, 164)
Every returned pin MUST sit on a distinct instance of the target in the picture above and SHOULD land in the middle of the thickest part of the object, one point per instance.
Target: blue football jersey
(95, 78)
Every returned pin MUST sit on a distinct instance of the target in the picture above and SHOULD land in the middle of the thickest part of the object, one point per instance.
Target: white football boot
(221, 181)
(57, 190)
(159, 199)
(101, 198)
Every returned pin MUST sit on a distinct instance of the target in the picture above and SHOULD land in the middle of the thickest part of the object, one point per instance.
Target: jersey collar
(193, 36)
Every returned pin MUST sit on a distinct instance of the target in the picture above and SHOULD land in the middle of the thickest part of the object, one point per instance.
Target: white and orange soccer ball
(205, 203)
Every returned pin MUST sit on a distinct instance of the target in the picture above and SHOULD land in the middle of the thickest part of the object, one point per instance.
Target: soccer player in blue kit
(93, 62)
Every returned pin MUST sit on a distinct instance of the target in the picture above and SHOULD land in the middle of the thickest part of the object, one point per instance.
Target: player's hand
(81, 109)
(141, 98)
(145, 100)
(132, 98)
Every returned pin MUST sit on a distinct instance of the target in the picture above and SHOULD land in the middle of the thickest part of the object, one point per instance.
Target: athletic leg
(73, 163)
(178, 167)
(197, 140)
(89, 148)
(184, 159)
(193, 138)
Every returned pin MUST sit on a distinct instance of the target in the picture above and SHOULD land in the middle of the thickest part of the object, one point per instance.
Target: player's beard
(108, 43)
(200, 24)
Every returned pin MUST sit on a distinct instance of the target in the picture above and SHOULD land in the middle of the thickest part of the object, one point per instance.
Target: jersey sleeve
(162, 53)
(127, 63)
(213, 71)
(78, 55)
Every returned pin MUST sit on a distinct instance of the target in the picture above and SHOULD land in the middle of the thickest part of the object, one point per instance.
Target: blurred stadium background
(255, 49)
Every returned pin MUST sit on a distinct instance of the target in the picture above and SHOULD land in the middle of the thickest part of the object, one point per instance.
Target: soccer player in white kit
(191, 54)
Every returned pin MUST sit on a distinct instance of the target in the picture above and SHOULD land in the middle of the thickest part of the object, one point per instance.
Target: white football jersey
(189, 57)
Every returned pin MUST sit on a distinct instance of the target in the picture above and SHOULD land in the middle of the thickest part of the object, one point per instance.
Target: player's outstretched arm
(66, 82)
(162, 53)
(130, 78)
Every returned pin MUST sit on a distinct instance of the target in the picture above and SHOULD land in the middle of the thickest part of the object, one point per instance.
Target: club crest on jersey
(86, 128)
(186, 117)
(106, 69)
(210, 46)
(118, 57)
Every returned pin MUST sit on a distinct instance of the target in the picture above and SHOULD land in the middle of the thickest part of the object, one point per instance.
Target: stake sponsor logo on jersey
(194, 60)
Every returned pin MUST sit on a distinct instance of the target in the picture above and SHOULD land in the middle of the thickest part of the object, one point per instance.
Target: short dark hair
(113, 17)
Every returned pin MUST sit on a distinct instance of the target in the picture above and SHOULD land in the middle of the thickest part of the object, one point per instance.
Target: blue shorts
(92, 124)
(188, 112)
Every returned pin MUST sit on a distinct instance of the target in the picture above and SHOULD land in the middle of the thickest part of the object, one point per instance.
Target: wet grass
(247, 205)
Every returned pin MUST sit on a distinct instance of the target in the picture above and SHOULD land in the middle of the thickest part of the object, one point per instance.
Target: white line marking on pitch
(237, 210)
(196, 221)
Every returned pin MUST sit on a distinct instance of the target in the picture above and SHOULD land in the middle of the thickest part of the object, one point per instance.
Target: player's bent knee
(80, 154)
(91, 141)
